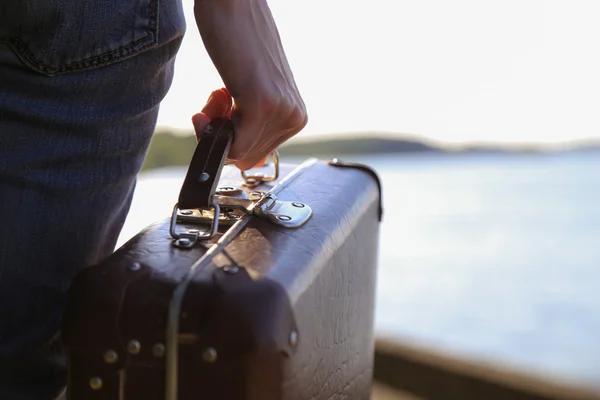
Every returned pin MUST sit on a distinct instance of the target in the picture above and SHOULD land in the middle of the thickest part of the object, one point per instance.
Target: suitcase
(258, 287)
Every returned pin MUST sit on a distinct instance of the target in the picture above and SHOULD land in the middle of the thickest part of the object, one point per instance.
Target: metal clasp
(189, 238)
(288, 214)
(256, 179)
(195, 217)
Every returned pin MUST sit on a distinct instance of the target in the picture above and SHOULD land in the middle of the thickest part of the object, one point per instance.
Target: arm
(242, 40)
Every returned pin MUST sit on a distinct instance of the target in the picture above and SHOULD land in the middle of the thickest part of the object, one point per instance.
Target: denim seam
(92, 62)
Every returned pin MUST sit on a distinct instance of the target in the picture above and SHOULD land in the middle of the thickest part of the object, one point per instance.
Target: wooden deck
(382, 391)
(407, 373)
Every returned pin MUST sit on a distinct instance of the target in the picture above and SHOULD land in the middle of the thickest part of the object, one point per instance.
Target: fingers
(262, 162)
(247, 164)
(260, 127)
(252, 163)
(218, 105)
(200, 121)
(249, 137)
(266, 126)
(258, 161)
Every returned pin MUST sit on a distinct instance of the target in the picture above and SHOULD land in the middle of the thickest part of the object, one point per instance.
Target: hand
(218, 105)
(264, 102)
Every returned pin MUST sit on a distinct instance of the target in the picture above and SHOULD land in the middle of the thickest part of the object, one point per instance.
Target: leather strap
(203, 174)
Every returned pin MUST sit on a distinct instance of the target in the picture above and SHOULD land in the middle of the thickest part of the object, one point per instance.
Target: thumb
(218, 105)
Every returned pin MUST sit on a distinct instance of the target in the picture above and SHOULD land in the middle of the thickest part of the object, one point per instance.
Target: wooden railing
(431, 375)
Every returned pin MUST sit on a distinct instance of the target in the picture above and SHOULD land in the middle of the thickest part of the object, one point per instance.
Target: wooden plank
(382, 391)
(433, 375)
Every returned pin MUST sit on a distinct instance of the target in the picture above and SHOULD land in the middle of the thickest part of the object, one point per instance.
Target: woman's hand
(261, 98)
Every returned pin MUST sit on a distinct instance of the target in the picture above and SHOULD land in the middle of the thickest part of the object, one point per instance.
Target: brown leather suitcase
(278, 304)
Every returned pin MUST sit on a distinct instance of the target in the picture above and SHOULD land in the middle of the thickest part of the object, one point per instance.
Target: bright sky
(461, 70)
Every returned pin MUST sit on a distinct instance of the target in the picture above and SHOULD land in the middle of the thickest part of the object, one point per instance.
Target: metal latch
(230, 204)
(189, 238)
(289, 214)
(230, 209)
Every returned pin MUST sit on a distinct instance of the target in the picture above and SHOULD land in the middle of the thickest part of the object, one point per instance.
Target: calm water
(493, 257)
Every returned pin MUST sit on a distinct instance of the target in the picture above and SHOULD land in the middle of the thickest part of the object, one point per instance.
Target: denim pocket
(60, 36)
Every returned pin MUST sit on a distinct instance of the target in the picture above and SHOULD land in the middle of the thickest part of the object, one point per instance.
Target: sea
(491, 257)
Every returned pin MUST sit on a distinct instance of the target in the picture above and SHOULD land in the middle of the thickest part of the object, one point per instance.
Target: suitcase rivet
(134, 267)
(186, 212)
(299, 205)
(158, 350)
(254, 196)
(209, 355)
(231, 269)
(284, 218)
(203, 177)
(251, 182)
(96, 383)
(293, 338)
(110, 356)
(183, 242)
(134, 347)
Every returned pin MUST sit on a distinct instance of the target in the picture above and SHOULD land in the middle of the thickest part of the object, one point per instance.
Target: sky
(525, 71)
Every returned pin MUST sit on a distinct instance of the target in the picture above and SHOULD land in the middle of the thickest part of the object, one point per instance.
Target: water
(494, 257)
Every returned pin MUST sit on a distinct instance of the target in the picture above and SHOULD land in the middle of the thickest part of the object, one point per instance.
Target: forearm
(242, 40)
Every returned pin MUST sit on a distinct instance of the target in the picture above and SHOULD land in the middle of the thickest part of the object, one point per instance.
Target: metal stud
(134, 267)
(203, 177)
(251, 182)
(293, 338)
(96, 383)
(183, 242)
(299, 205)
(284, 218)
(110, 356)
(134, 347)
(231, 269)
(254, 196)
(186, 212)
(158, 350)
(209, 355)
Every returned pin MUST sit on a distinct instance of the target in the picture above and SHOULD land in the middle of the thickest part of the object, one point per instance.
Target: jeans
(80, 87)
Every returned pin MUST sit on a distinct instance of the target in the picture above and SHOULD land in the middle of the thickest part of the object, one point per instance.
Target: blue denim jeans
(80, 87)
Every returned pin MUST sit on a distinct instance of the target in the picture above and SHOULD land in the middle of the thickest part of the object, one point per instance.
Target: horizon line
(395, 135)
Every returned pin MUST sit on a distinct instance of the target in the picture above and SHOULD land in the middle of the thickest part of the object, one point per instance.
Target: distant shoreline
(381, 143)
(171, 149)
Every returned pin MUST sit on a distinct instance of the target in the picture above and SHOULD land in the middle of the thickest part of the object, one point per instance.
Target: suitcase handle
(200, 183)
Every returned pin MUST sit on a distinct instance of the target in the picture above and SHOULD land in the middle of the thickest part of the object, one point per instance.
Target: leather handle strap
(203, 174)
